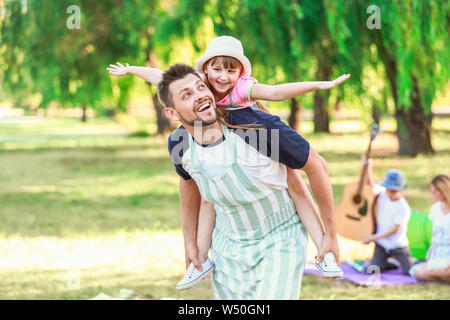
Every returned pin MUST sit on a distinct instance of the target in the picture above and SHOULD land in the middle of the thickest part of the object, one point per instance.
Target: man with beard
(259, 243)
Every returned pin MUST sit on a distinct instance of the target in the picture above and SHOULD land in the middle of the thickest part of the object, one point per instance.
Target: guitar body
(354, 217)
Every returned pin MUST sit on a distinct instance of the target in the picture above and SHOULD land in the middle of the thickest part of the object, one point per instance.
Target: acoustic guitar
(355, 214)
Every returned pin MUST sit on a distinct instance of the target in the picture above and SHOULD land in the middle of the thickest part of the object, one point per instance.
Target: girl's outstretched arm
(290, 90)
(152, 75)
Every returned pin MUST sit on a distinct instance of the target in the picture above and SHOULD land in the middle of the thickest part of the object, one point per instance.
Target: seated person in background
(392, 221)
(437, 266)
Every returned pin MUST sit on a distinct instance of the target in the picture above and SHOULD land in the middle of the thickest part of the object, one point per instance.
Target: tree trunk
(294, 118)
(338, 105)
(376, 113)
(163, 123)
(84, 113)
(414, 126)
(321, 114)
(321, 117)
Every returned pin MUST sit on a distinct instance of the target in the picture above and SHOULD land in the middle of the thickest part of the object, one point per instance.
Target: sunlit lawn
(85, 209)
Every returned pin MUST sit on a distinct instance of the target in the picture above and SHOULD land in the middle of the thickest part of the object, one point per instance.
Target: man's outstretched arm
(317, 170)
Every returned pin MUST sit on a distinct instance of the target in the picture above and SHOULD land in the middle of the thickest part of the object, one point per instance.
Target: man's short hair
(175, 72)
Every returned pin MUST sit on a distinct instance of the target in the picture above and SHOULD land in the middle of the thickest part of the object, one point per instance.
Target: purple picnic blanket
(386, 278)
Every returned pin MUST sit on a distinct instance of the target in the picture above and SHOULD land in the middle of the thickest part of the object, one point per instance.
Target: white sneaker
(193, 276)
(329, 267)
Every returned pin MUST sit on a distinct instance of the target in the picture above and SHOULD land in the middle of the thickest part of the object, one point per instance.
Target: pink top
(240, 93)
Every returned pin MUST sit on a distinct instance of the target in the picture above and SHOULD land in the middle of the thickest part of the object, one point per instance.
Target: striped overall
(258, 244)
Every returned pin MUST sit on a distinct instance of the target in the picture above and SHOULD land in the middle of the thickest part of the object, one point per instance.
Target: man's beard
(198, 121)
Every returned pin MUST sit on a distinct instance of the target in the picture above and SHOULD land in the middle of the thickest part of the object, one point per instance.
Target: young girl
(437, 266)
(226, 71)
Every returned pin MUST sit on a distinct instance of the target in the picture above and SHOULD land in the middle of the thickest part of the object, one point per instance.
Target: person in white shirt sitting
(392, 220)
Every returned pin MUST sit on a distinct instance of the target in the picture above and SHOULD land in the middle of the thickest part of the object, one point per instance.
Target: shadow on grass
(50, 214)
(60, 284)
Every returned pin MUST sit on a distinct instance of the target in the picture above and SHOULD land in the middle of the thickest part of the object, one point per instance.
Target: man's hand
(329, 244)
(191, 255)
(119, 69)
(335, 82)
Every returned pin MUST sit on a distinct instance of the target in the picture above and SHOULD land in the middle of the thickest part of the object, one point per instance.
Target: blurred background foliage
(397, 68)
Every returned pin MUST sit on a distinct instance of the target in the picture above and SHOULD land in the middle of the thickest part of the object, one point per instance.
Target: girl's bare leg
(444, 274)
(206, 223)
(424, 274)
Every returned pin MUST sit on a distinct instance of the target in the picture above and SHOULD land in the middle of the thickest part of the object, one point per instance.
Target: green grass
(88, 208)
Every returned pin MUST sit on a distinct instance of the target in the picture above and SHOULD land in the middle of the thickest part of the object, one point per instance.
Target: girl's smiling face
(222, 74)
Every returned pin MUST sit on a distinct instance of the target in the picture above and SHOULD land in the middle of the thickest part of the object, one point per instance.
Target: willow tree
(61, 47)
(286, 36)
(284, 40)
(271, 41)
(15, 79)
(133, 25)
(61, 50)
(165, 29)
(411, 43)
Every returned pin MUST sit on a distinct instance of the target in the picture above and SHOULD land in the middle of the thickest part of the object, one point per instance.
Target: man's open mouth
(204, 106)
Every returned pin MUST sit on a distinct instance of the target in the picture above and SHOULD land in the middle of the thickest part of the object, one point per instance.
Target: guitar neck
(364, 169)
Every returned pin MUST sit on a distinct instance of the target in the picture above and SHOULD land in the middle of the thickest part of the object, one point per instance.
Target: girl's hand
(119, 69)
(367, 162)
(335, 82)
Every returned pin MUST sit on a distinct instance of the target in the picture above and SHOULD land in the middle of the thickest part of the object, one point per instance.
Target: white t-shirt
(441, 225)
(391, 213)
(218, 156)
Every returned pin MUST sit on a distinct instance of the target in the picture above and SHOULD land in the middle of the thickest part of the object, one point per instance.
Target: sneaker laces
(192, 272)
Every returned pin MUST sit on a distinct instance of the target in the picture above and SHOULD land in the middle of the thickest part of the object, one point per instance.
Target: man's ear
(171, 113)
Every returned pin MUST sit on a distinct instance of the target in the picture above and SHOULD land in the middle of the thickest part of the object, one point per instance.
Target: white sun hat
(225, 46)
